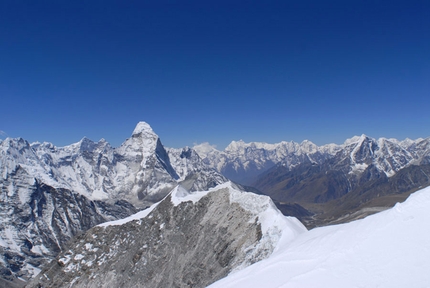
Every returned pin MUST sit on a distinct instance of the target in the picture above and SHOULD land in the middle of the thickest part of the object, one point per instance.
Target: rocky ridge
(186, 240)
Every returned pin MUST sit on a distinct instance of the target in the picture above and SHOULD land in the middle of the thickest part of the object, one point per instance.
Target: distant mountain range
(243, 162)
(350, 178)
(50, 195)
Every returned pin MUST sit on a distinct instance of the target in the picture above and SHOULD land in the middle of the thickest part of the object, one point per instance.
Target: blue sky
(214, 71)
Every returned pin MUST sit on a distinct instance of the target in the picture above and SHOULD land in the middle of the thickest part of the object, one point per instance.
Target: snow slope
(389, 249)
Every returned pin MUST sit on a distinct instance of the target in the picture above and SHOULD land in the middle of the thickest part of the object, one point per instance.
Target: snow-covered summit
(355, 139)
(203, 149)
(142, 127)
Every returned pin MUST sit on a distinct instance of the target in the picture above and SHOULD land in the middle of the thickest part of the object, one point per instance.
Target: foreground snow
(389, 249)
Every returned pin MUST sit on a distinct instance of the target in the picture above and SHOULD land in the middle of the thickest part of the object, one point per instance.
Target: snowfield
(388, 249)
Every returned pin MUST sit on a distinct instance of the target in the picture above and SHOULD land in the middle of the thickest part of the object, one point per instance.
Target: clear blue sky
(214, 71)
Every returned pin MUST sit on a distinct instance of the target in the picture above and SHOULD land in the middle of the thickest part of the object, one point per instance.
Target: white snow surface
(388, 249)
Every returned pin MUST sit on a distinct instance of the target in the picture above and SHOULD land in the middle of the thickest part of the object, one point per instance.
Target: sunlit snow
(389, 249)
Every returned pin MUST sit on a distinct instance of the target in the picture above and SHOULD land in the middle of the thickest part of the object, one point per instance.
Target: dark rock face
(188, 245)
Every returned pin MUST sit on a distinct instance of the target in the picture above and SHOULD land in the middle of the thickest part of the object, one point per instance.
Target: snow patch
(358, 168)
(39, 249)
(179, 194)
(137, 216)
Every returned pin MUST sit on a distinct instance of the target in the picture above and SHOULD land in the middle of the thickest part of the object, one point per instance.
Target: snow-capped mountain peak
(235, 146)
(204, 149)
(143, 127)
(355, 140)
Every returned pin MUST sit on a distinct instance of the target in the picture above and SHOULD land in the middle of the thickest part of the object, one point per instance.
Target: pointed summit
(356, 139)
(142, 127)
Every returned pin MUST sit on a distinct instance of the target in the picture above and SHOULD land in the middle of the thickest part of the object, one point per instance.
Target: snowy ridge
(274, 225)
(388, 249)
(277, 230)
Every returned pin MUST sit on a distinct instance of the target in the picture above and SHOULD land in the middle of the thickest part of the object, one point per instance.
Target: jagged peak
(15, 142)
(142, 127)
(38, 144)
(142, 139)
(356, 139)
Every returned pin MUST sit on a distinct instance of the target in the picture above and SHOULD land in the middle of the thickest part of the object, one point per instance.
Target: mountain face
(38, 222)
(50, 194)
(186, 240)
